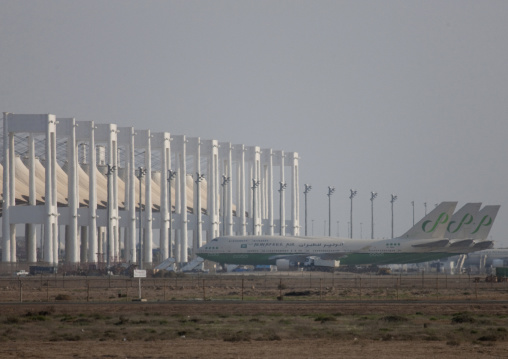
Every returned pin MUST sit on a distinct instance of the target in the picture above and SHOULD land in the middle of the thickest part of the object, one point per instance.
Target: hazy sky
(403, 97)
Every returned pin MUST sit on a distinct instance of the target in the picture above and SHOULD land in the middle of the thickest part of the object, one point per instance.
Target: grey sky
(404, 97)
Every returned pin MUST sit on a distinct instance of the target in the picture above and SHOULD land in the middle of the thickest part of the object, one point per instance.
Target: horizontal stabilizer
(465, 243)
(483, 245)
(436, 244)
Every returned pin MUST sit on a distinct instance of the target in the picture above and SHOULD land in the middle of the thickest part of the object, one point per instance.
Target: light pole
(255, 184)
(111, 169)
(330, 192)
(307, 190)
(171, 176)
(393, 199)
(373, 196)
(141, 173)
(338, 233)
(282, 187)
(425, 204)
(225, 181)
(413, 204)
(199, 178)
(353, 194)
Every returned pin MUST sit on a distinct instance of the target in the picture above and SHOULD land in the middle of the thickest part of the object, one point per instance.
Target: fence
(271, 286)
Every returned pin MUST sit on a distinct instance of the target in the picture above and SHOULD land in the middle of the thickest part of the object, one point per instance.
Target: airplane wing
(303, 257)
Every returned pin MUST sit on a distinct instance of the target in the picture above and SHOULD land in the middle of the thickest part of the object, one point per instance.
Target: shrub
(240, 336)
(394, 319)
(11, 320)
(462, 317)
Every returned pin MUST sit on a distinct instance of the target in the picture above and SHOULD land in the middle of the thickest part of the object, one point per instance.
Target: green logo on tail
(467, 219)
(486, 221)
(443, 218)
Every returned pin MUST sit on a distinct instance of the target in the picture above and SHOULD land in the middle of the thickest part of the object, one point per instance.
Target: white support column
(84, 244)
(148, 202)
(127, 217)
(113, 220)
(226, 215)
(198, 230)
(48, 227)
(215, 188)
(178, 202)
(32, 201)
(255, 174)
(163, 141)
(54, 193)
(210, 147)
(250, 195)
(257, 162)
(92, 198)
(131, 225)
(229, 197)
(183, 189)
(242, 198)
(268, 164)
(67, 128)
(12, 183)
(6, 228)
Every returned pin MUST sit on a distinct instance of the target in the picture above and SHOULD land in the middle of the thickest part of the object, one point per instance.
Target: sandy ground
(327, 298)
(183, 348)
(24, 347)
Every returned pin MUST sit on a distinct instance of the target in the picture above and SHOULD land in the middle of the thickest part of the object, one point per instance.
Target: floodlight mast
(330, 192)
(171, 176)
(282, 187)
(373, 196)
(413, 204)
(353, 194)
(307, 190)
(392, 200)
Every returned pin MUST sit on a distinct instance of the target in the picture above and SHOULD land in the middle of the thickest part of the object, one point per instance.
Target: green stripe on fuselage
(349, 259)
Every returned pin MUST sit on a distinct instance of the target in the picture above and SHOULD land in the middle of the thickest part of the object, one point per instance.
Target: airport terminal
(87, 192)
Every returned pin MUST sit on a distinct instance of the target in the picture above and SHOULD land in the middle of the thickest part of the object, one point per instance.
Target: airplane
(418, 244)
(434, 237)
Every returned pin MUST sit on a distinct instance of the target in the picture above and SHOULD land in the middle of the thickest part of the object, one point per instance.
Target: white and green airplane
(425, 241)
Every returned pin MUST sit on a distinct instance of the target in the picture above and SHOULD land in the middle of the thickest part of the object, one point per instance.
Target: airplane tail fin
(434, 224)
(481, 226)
(460, 224)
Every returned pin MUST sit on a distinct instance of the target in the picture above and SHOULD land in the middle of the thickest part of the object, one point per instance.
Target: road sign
(139, 273)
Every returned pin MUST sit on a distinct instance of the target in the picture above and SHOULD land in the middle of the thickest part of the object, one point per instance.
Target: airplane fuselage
(268, 249)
